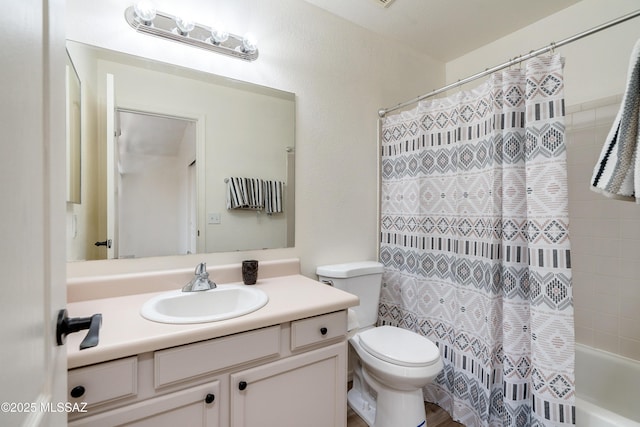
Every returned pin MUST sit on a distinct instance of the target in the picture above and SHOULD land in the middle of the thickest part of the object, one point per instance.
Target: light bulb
(145, 11)
(219, 35)
(249, 43)
(185, 26)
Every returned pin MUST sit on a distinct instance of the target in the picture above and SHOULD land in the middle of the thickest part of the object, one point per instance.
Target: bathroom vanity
(284, 364)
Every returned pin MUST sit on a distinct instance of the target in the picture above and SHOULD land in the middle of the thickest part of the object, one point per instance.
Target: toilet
(390, 365)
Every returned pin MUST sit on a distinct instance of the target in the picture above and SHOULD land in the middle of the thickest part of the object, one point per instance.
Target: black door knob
(210, 398)
(324, 330)
(77, 391)
(106, 243)
(242, 385)
(67, 325)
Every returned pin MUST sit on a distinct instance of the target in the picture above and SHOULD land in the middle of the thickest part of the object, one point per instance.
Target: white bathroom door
(32, 218)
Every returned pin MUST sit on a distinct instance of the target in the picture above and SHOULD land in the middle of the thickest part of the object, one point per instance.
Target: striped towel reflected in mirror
(255, 194)
(245, 193)
(273, 197)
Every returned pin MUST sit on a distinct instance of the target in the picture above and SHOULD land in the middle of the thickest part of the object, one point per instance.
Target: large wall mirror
(161, 145)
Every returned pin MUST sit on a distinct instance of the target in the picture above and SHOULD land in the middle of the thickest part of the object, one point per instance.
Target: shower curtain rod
(382, 112)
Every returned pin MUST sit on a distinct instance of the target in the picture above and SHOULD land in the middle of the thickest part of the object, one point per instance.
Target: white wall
(341, 75)
(605, 233)
(595, 66)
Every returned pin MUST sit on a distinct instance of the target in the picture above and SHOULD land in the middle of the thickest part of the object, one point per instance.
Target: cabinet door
(192, 407)
(305, 390)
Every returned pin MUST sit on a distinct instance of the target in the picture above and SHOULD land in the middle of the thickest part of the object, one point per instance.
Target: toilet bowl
(391, 368)
(390, 365)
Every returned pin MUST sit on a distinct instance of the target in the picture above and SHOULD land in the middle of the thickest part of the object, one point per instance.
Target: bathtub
(607, 389)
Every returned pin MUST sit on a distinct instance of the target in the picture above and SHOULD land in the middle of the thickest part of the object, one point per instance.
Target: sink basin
(221, 303)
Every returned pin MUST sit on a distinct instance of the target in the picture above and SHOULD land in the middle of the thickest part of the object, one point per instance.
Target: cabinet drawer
(317, 329)
(192, 360)
(193, 407)
(104, 382)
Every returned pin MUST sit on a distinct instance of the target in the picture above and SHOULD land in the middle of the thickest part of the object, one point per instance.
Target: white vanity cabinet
(307, 389)
(290, 374)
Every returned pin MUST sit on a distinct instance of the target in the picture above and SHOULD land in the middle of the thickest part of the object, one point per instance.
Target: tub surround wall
(605, 237)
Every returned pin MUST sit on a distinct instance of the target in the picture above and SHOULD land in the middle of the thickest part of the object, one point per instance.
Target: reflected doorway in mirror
(155, 209)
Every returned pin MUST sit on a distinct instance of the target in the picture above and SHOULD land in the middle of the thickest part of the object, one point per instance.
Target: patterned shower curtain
(474, 239)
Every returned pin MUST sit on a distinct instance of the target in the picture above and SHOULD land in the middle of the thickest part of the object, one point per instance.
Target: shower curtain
(475, 244)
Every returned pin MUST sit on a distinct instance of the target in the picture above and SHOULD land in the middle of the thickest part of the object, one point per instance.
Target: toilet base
(390, 408)
(361, 405)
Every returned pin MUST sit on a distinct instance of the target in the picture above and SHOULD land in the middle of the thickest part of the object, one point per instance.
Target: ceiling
(443, 29)
(144, 138)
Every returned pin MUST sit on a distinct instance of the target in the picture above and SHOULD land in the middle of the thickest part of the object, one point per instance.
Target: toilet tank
(362, 279)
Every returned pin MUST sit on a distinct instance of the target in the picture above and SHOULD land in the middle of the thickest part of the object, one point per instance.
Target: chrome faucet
(201, 280)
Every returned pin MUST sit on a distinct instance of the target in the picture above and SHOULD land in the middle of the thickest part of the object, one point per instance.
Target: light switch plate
(213, 218)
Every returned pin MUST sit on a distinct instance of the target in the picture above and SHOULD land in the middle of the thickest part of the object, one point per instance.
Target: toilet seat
(399, 346)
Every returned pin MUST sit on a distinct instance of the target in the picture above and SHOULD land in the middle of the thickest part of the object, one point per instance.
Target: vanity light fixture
(144, 18)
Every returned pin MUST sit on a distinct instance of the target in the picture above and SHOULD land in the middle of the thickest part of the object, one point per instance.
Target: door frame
(199, 121)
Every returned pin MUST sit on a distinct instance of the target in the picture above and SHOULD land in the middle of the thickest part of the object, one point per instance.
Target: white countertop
(125, 332)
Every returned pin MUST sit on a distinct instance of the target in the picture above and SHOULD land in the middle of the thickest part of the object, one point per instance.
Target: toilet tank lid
(350, 269)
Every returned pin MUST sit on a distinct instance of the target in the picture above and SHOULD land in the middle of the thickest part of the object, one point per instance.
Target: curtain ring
(553, 48)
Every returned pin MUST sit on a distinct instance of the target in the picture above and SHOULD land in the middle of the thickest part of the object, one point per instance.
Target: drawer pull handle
(77, 391)
(324, 330)
(242, 385)
(210, 398)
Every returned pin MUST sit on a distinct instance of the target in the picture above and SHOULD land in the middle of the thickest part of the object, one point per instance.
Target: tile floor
(436, 417)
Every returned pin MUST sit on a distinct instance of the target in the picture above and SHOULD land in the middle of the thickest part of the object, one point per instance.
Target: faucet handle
(201, 269)
(201, 280)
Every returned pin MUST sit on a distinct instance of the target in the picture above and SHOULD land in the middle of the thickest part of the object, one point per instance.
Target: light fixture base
(164, 26)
